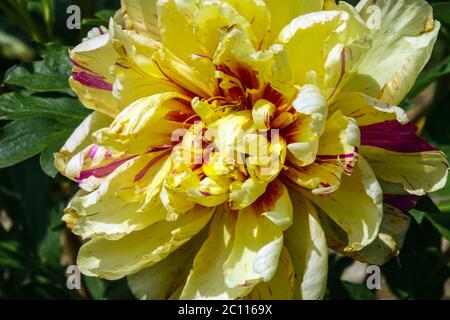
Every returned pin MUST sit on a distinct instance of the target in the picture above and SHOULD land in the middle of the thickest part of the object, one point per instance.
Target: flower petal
(115, 259)
(163, 280)
(324, 37)
(141, 16)
(91, 79)
(418, 172)
(282, 285)
(79, 140)
(366, 110)
(282, 12)
(303, 135)
(157, 116)
(114, 209)
(175, 24)
(307, 246)
(390, 239)
(356, 206)
(256, 13)
(207, 280)
(259, 239)
(387, 245)
(403, 34)
(336, 155)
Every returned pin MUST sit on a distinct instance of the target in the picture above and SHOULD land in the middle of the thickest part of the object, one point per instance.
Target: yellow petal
(366, 110)
(323, 37)
(356, 206)
(176, 29)
(256, 13)
(78, 141)
(282, 12)
(115, 259)
(282, 285)
(210, 192)
(336, 156)
(255, 67)
(403, 34)
(215, 17)
(418, 172)
(387, 245)
(245, 193)
(162, 280)
(303, 135)
(390, 239)
(157, 116)
(259, 240)
(141, 16)
(112, 211)
(206, 280)
(136, 74)
(91, 79)
(307, 246)
(262, 113)
(185, 75)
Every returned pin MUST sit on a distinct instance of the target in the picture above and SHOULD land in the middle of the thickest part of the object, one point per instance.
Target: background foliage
(38, 111)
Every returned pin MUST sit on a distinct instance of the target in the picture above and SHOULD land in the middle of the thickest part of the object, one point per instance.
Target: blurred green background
(38, 111)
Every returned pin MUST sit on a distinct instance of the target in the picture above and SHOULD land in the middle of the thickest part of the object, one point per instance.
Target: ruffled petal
(356, 206)
(141, 16)
(206, 279)
(303, 135)
(165, 279)
(115, 208)
(403, 34)
(158, 116)
(91, 78)
(282, 13)
(79, 140)
(387, 245)
(398, 155)
(259, 240)
(366, 110)
(282, 285)
(418, 172)
(333, 41)
(336, 155)
(308, 249)
(115, 259)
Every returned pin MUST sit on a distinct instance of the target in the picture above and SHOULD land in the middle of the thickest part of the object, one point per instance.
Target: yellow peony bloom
(234, 141)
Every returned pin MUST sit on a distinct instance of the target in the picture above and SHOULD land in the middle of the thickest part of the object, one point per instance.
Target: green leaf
(49, 249)
(357, 291)
(23, 139)
(15, 106)
(419, 272)
(47, 156)
(118, 290)
(48, 75)
(10, 255)
(95, 286)
(441, 11)
(441, 221)
(437, 71)
(105, 14)
(34, 187)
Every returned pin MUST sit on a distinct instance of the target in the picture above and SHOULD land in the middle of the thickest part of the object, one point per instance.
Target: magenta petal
(403, 202)
(392, 135)
(102, 171)
(92, 81)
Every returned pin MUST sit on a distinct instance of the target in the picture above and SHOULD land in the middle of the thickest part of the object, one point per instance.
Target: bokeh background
(38, 111)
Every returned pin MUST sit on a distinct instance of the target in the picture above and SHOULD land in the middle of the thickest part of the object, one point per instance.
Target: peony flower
(233, 142)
